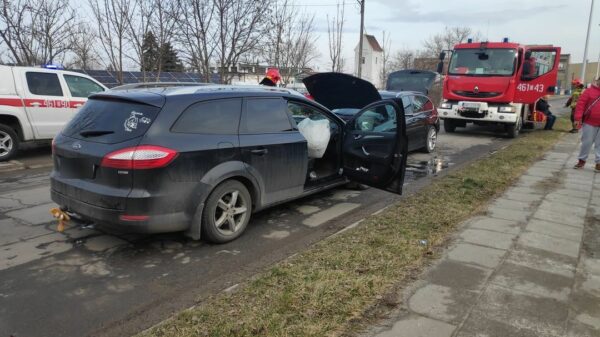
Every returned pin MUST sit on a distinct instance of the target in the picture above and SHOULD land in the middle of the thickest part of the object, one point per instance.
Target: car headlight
(506, 109)
(446, 105)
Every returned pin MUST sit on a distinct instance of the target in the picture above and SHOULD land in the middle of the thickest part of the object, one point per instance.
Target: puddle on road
(419, 169)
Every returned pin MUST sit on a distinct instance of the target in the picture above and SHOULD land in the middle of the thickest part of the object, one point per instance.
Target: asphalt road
(88, 282)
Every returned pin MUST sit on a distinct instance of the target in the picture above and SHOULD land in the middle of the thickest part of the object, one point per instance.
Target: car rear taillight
(141, 157)
(134, 217)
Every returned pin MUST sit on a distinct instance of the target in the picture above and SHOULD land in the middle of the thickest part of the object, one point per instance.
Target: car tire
(9, 142)
(430, 140)
(226, 212)
(449, 126)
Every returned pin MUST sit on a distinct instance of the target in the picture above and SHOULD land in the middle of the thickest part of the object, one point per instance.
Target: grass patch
(330, 287)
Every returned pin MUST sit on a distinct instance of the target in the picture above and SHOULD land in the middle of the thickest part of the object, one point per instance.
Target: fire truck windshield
(483, 62)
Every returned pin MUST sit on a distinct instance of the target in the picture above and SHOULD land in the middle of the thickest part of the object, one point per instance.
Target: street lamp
(587, 38)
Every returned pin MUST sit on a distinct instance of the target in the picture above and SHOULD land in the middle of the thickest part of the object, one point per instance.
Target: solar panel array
(109, 78)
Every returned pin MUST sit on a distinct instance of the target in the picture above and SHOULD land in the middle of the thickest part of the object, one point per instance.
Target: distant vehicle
(422, 121)
(423, 81)
(203, 159)
(35, 103)
(497, 83)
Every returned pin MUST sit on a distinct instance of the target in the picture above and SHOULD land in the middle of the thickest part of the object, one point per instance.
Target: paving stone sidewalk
(529, 267)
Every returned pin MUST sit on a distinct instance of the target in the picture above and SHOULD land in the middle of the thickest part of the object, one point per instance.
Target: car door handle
(357, 136)
(259, 152)
(35, 104)
(78, 105)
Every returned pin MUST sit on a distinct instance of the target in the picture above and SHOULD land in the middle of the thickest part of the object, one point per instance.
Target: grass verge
(328, 288)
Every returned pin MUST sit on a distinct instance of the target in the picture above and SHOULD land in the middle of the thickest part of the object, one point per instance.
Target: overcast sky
(409, 22)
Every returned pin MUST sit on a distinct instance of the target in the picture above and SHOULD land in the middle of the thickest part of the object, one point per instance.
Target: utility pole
(362, 27)
(587, 39)
(598, 66)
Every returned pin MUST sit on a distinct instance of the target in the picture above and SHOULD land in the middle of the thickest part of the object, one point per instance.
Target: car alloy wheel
(9, 143)
(431, 139)
(6, 144)
(230, 213)
(227, 212)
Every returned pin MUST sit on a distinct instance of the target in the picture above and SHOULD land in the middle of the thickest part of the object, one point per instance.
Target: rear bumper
(106, 217)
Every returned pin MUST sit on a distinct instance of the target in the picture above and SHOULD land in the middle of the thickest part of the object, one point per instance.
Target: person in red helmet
(577, 87)
(271, 78)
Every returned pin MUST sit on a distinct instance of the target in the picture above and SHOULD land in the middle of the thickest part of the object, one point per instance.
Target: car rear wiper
(95, 133)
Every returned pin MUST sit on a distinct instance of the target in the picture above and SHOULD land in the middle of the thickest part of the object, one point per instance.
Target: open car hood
(337, 90)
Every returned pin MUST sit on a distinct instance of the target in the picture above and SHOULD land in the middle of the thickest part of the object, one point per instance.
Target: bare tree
(436, 43)
(111, 18)
(36, 31)
(335, 29)
(196, 36)
(53, 27)
(240, 25)
(403, 59)
(163, 23)
(137, 26)
(83, 42)
(290, 43)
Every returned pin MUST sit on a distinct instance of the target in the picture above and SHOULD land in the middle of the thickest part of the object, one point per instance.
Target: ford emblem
(76, 146)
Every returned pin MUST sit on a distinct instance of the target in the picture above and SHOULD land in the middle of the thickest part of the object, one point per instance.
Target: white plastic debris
(317, 134)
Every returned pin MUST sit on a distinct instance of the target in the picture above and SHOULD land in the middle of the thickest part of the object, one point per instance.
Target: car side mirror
(440, 67)
(442, 56)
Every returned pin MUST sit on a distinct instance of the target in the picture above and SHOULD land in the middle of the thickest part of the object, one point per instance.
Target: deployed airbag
(317, 134)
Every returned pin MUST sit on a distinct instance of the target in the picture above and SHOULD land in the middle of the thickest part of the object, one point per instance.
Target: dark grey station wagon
(203, 159)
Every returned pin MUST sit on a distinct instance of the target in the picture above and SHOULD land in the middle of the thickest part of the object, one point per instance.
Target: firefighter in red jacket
(271, 78)
(587, 117)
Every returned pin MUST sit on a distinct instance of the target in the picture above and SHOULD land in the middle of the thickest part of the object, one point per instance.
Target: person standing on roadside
(587, 113)
(572, 101)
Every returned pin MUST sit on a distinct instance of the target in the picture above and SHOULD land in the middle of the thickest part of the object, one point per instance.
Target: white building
(372, 60)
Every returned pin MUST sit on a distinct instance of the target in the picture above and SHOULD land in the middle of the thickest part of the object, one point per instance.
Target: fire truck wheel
(512, 130)
(449, 126)
(9, 142)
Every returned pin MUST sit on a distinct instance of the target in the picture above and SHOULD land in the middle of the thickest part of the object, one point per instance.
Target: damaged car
(203, 159)
(422, 119)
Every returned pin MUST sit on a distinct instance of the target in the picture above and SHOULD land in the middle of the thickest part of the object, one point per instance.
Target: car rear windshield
(111, 121)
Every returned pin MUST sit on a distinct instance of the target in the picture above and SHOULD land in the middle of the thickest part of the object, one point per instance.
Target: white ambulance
(35, 103)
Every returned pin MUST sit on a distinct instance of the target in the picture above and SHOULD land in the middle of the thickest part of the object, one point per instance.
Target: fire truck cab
(497, 83)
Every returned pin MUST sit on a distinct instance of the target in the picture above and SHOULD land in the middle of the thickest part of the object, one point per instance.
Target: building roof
(373, 42)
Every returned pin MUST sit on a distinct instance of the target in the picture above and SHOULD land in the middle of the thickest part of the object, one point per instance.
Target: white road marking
(333, 212)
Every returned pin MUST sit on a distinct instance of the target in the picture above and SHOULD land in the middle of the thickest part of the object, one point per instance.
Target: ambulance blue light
(53, 66)
(505, 40)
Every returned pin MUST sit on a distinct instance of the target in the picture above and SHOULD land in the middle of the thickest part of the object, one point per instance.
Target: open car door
(538, 73)
(375, 146)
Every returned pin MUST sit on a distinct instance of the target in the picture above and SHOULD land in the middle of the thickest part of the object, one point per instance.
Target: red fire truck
(497, 83)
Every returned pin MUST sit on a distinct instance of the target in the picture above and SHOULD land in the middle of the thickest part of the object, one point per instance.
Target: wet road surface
(89, 282)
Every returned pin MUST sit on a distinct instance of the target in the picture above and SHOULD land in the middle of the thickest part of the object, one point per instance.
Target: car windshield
(483, 62)
(410, 81)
